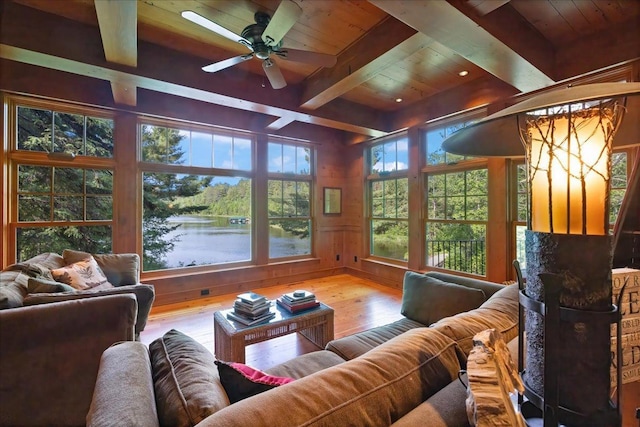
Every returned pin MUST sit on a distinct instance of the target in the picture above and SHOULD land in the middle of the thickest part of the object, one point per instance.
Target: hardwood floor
(359, 304)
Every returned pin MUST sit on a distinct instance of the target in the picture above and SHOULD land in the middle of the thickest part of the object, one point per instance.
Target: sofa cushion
(185, 379)
(120, 269)
(373, 390)
(499, 312)
(306, 364)
(36, 285)
(83, 274)
(355, 345)
(241, 381)
(426, 299)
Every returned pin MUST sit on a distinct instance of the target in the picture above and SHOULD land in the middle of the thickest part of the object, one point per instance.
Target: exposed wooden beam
(444, 23)
(62, 64)
(388, 42)
(118, 24)
(118, 21)
(483, 7)
(280, 123)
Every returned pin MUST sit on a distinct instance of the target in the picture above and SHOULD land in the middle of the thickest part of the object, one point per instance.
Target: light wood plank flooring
(359, 304)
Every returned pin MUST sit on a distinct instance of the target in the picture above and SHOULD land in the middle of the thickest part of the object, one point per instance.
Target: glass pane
(34, 129)
(68, 133)
(389, 156)
(402, 154)
(377, 159)
(289, 159)
(477, 181)
(99, 136)
(242, 154)
(377, 198)
(201, 149)
(435, 153)
(222, 145)
(436, 185)
(616, 202)
(390, 239)
(193, 220)
(34, 208)
(99, 208)
(275, 157)
(275, 194)
(477, 208)
(68, 180)
(436, 208)
(33, 241)
(34, 179)
(522, 207)
(178, 146)
(303, 161)
(455, 183)
(303, 199)
(520, 249)
(99, 181)
(289, 197)
(459, 247)
(455, 208)
(154, 144)
(68, 208)
(289, 238)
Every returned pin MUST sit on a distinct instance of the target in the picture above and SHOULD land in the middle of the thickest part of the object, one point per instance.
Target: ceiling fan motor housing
(253, 33)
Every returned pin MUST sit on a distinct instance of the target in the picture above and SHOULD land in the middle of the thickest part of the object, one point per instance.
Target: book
(299, 296)
(251, 307)
(296, 308)
(249, 322)
(251, 298)
(252, 314)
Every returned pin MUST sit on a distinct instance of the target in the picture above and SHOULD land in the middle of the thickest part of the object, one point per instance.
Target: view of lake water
(214, 240)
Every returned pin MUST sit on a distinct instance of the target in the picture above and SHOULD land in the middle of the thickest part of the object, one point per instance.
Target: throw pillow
(120, 269)
(185, 380)
(37, 286)
(426, 299)
(241, 381)
(85, 274)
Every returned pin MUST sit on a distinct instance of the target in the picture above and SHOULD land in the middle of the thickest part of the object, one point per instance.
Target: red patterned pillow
(241, 381)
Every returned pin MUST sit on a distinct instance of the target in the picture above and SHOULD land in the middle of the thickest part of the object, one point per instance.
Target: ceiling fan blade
(281, 22)
(274, 74)
(313, 58)
(221, 65)
(219, 29)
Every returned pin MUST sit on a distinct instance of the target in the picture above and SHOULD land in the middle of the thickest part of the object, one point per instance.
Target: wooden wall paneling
(498, 235)
(127, 194)
(4, 181)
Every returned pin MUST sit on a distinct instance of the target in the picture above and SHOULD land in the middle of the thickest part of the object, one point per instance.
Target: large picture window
(197, 205)
(456, 206)
(388, 188)
(64, 188)
(289, 199)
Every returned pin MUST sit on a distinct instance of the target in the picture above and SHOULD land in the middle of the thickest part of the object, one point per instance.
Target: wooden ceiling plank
(447, 25)
(386, 43)
(118, 21)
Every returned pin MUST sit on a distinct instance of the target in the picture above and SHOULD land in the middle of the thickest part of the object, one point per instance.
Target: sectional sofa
(402, 374)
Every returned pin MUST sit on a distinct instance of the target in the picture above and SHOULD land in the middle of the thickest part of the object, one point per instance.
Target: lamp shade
(498, 135)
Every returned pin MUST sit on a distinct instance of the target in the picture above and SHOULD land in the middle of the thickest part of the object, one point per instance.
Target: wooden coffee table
(231, 338)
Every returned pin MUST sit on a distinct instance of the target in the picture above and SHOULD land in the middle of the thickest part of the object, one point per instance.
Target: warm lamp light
(568, 152)
(567, 137)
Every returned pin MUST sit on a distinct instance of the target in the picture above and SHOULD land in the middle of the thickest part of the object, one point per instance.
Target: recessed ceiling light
(398, 99)
(463, 73)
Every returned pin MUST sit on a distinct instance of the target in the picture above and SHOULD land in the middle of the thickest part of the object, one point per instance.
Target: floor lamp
(567, 138)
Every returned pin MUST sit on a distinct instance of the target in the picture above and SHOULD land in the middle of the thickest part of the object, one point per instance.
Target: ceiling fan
(263, 39)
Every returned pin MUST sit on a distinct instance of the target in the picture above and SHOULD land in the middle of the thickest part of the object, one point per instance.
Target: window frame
(17, 158)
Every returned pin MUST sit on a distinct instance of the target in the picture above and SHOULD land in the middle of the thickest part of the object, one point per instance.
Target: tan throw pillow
(81, 275)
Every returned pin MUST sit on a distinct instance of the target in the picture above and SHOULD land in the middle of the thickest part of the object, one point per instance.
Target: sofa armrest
(49, 356)
(145, 295)
(124, 394)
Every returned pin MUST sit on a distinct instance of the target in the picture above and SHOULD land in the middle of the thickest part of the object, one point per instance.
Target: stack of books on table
(295, 302)
(251, 308)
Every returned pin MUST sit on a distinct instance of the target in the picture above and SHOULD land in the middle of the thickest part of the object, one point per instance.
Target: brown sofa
(51, 342)
(402, 374)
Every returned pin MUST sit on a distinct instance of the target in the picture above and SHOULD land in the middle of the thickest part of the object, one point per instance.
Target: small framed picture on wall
(332, 201)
